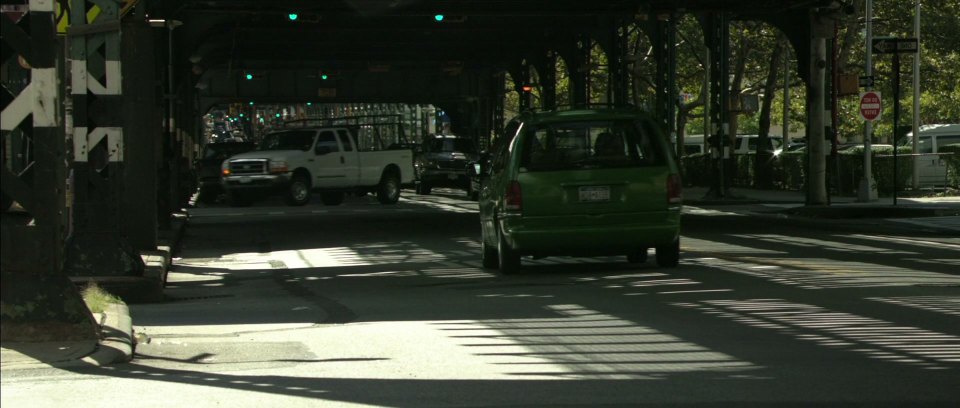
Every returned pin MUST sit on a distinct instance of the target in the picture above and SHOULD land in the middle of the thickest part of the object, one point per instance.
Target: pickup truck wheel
(389, 190)
(298, 192)
(331, 198)
(423, 188)
(239, 199)
(207, 194)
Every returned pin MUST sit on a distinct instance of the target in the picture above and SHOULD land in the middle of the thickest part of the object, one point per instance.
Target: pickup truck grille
(239, 167)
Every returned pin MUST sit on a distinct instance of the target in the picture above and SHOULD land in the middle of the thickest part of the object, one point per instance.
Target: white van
(746, 144)
(693, 144)
(933, 169)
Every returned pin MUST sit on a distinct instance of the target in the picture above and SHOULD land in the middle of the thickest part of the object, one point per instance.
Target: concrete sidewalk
(117, 340)
(939, 215)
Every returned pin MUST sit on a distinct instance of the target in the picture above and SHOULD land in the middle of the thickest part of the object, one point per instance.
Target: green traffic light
(309, 103)
(293, 16)
(251, 103)
(277, 115)
(324, 77)
(249, 77)
(438, 17)
(241, 115)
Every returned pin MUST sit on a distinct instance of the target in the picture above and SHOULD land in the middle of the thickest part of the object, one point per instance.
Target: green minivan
(586, 182)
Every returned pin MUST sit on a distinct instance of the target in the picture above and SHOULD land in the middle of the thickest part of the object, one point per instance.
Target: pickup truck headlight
(225, 168)
(278, 167)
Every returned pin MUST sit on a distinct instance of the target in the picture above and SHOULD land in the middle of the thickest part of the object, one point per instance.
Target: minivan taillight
(513, 200)
(674, 189)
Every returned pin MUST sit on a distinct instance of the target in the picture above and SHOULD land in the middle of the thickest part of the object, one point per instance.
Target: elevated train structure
(112, 94)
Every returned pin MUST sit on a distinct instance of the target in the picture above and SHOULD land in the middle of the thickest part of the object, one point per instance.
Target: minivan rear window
(590, 145)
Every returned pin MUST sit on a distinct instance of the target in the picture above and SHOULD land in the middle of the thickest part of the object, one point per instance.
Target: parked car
(442, 162)
(581, 183)
(207, 167)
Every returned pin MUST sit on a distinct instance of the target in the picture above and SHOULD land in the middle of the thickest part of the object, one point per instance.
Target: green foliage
(98, 299)
(953, 162)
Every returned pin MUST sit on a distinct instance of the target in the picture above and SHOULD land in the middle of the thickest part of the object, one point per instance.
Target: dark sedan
(208, 166)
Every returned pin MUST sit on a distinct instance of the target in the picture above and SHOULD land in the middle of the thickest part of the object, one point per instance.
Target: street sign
(895, 45)
(866, 81)
(870, 105)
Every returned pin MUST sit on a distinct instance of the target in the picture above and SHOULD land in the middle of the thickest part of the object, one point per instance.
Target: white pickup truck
(329, 160)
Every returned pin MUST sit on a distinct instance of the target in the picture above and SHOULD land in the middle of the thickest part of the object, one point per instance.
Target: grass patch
(98, 299)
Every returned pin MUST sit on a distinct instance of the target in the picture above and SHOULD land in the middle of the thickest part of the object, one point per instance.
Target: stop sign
(870, 106)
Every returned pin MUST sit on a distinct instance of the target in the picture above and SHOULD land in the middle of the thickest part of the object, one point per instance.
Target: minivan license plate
(594, 193)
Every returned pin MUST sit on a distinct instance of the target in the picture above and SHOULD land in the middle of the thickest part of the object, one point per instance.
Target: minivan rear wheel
(668, 256)
(638, 256)
(489, 255)
(508, 259)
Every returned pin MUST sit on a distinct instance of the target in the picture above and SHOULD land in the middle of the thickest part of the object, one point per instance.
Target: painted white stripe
(38, 98)
(83, 141)
(17, 110)
(908, 241)
(41, 5)
(82, 81)
(45, 103)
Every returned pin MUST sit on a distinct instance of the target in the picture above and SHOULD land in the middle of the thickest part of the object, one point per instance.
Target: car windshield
(451, 145)
(585, 145)
(224, 150)
(290, 140)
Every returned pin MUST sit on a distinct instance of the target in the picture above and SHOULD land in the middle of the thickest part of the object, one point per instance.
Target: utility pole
(868, 190)
(916, 99)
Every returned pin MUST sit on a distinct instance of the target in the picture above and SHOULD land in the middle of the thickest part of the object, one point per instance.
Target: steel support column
(664, 41)
(821, 29)
(617, 57)
(717, 33)
(99, 246)
(547, 70)
(498, 86)
(38, 301)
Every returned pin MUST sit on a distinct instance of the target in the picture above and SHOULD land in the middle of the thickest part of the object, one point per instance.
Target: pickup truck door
(349, 158)
(327, 162)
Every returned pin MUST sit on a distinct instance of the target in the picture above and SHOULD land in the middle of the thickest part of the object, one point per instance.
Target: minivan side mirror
(474, 169)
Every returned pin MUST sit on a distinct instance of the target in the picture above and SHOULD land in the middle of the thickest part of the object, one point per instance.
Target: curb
(117, 342)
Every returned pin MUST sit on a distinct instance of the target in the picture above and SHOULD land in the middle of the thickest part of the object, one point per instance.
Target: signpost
(870, 105)
(895, 46)
(887, 45)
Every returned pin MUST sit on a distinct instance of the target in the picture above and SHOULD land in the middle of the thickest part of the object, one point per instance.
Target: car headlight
(225, 168)
(278, 166)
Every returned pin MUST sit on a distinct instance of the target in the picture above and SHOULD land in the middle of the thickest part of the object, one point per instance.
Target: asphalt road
(371, 305)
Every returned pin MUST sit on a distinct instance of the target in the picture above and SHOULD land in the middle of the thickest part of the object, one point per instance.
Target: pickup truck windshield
(289, 140)
(451, 145)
